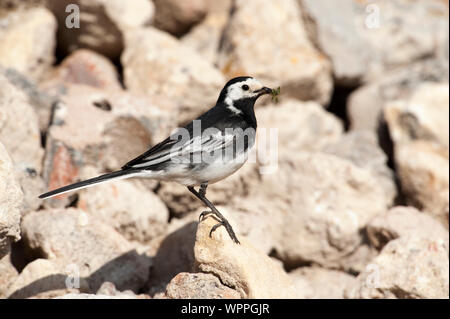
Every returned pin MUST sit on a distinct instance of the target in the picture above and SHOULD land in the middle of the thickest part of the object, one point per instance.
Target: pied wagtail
(203, 152)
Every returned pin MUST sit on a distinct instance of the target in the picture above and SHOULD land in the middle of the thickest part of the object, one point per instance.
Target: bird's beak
(264, 90)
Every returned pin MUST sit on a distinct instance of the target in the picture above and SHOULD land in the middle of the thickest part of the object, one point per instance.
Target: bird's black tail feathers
(91, 182)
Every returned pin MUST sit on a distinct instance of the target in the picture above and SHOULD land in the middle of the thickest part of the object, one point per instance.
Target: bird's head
(243, 90)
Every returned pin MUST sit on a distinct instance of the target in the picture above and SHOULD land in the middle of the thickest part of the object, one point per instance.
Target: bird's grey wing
(171, 148)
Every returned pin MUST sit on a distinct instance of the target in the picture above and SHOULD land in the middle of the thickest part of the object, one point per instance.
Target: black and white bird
(205, 151)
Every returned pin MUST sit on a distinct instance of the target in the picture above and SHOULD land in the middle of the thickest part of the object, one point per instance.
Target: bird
(205, 151)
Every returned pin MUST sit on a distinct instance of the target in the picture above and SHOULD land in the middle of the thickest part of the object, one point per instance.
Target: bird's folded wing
(170, 148)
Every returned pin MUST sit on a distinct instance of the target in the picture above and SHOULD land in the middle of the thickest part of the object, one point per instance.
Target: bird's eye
(245, 87)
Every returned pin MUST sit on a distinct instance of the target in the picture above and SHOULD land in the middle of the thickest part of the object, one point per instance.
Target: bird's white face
(248, 89)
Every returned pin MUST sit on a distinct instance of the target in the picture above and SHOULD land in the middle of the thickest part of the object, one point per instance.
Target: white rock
(11, 198)
(205, 37)
(8, 273)
(325, 202)
(408, 267)
(28, 41)
(419, 129)
(134, 211)
(84, 245)
(321, 283)
(198, 286)
(267, 39)
(19, 133)
(43, 279)
(331, 25)
(361, 148)
(155, 63)
(243, 267)
(403, 221)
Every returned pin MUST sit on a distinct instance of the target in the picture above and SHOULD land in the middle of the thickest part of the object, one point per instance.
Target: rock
(242, 267)
(268, 40)
(83, 67)
(82, 242)
(134, 211)
(177, 17)
(19, 133)
(325, 202)
(108, 289)
(393, 36)
(407, 267)
(320, 283)
(362, 149)
(8, 273)
(42, 279)
(205, 37)
(419, 129)
(365, 104)
(364, 40)
(199, 286)
(92, 296)
(28, 41)
(101, 128)
(331, 25)
(318, 127)
(102, 24)
(11, 198)
(41, 101)
(403, 221)
(155, 63)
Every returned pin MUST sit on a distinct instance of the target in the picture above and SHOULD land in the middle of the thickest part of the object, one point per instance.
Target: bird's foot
(228, 227)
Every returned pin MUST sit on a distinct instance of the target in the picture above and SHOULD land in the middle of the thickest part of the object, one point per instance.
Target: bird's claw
(203, 215)
(227, 227)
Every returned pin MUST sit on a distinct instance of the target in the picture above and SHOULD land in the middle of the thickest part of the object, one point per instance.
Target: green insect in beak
(275, 93)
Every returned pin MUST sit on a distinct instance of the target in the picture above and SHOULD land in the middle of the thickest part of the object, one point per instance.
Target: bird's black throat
(247, 107)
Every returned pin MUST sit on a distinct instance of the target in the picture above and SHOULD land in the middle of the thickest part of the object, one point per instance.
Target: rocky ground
(358, 206)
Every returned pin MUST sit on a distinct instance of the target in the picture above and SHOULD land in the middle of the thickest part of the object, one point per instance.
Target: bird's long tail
(91, 182)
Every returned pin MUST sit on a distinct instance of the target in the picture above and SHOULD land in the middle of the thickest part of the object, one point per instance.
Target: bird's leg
(202, 190)
(223, 221)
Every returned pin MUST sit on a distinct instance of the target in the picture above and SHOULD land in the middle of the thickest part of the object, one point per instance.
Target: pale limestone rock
(240, 266)
(268, 40)
(134, 211)
(156, 63)
(331, 26)
(407, 267)
(8, 273)
(79, 241)
(19, 133)
(361, 148)
(321, 283)
(198, 286)
(325, 202)
(43, 279)
(28, 41)
(403, 221)
(11, 200)
(419, 129)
